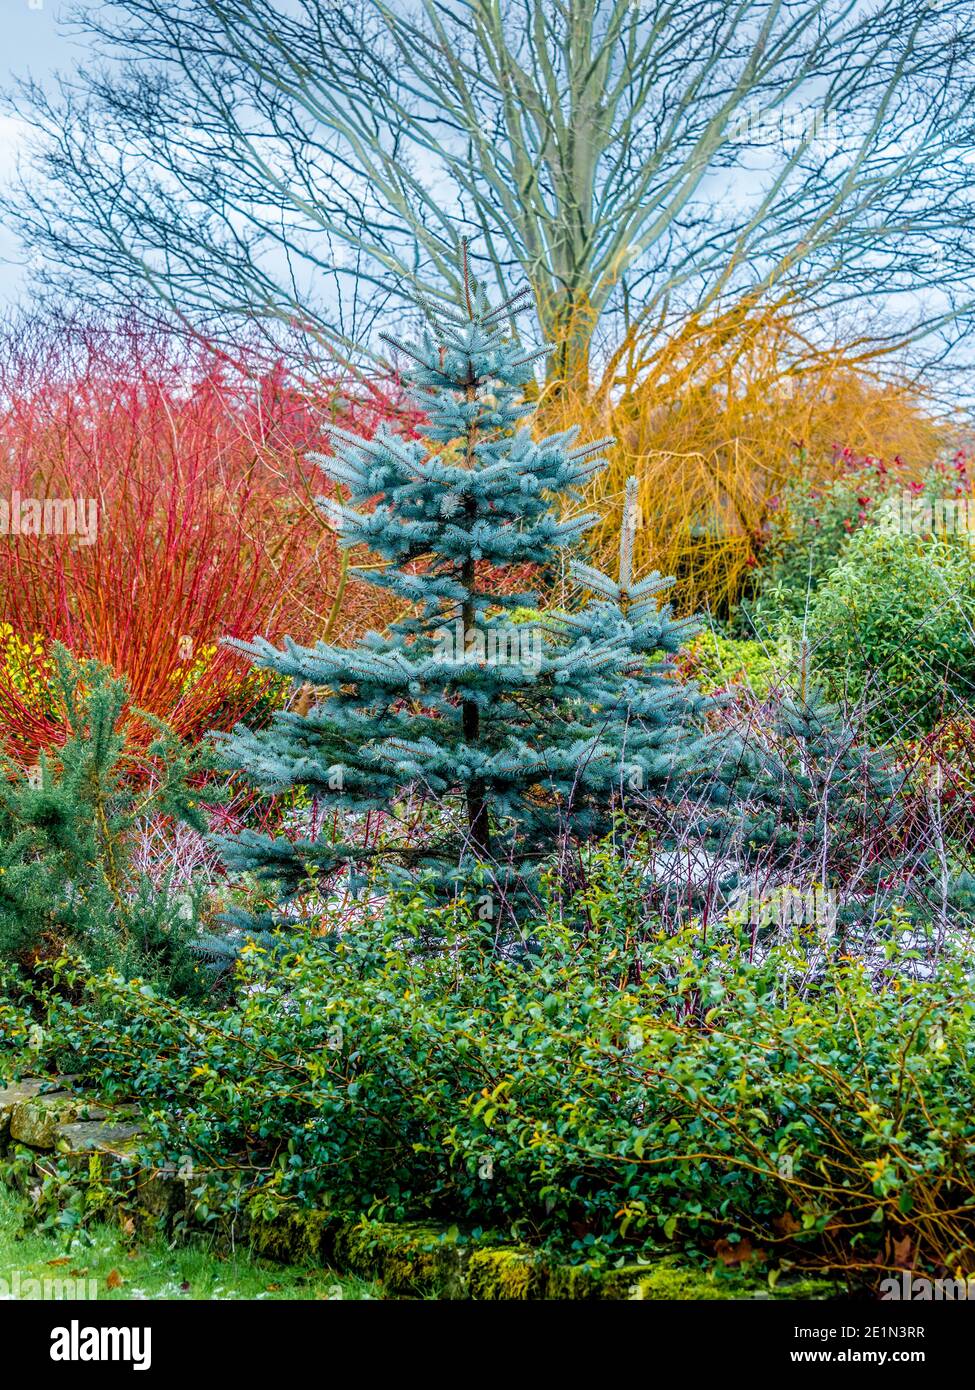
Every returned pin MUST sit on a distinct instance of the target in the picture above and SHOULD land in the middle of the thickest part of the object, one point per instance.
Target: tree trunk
(568, 323)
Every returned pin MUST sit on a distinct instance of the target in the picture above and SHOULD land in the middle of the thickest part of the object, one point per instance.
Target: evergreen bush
(893, 627)
(627, 1089)
(69, 831)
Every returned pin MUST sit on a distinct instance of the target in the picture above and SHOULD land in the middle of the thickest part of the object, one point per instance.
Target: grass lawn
(149, 1269)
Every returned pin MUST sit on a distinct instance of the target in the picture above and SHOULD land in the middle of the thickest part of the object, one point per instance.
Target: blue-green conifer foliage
(511, 735)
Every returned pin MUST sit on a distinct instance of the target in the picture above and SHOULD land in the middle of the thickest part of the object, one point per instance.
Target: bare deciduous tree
(288, 158)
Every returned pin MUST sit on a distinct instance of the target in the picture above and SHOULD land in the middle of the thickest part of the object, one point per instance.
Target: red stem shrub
(206, 525)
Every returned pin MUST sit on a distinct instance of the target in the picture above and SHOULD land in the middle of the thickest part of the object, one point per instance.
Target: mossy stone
(78, 1140)
(162, 1196)
(35, 1122)
(409, 1258)
(506, 1273)
(297, 1237)
(665, 1279)
(573, 1282)
(670, 1279)
(13, 1095)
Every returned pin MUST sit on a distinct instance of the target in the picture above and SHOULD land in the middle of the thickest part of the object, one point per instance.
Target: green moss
(296, 1237)
(162, 1197)
(812, 1287)
(415, 1258)
(506, 1273)
(575, 1282)
(667, 1279)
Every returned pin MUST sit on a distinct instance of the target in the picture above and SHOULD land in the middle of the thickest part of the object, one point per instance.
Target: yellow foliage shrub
(714, 419)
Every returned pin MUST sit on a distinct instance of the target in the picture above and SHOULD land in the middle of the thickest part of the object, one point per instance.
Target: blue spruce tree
(511, 735)
(653, 721)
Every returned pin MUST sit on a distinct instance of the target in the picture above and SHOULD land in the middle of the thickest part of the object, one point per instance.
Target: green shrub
(18, 1023)
(718, 662)
(808, 534)
(621, 1089)
(893, 624)
(69, 834)
(812, 527)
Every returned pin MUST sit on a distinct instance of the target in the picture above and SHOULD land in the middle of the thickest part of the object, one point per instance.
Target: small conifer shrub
(69, 833)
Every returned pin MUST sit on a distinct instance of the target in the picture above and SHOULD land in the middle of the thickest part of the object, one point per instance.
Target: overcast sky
(30, 42)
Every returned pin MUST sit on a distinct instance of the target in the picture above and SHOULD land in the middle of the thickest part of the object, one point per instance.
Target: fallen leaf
(61, 1260)
(786, 1224)
(114, 1280)
(739, 1254)
(902, 1252)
